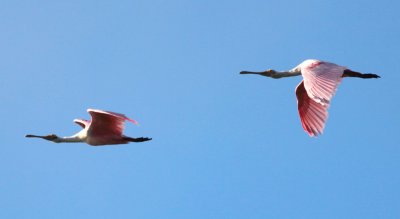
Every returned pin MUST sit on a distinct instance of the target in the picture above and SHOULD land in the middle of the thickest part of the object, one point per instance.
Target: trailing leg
(350, 73)
(141, 139)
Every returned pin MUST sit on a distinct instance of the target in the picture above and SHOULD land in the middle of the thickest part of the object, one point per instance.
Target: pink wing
(313, 115)
(105, 123)
(321, 79)
(83, 123)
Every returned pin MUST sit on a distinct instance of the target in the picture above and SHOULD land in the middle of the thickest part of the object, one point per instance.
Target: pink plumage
(82, 122)
(321, 79)
(315, 92)
(312, 114)
(105, 128)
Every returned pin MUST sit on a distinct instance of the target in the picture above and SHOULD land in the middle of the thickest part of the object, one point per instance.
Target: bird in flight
(105, 128)
(315, 91)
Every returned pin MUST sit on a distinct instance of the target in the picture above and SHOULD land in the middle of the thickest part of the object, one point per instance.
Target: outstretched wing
(106, 123)
(321, 79)
(313, 115)
(81, 122)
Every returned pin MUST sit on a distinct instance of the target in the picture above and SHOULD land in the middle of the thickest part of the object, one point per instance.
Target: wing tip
(132, 120)
(113, 114)
(313, 134)
(92, 110)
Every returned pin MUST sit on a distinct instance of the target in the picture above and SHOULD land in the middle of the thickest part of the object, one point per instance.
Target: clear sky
(224, 145)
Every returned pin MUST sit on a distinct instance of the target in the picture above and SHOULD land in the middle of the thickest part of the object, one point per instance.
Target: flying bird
(315, 91)
(105, 128)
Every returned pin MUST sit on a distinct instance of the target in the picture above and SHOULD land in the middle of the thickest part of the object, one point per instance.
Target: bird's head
(51, 137)
(268, 73)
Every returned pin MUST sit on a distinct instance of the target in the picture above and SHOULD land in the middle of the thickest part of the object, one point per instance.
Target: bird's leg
(141, 139)
(350, 73)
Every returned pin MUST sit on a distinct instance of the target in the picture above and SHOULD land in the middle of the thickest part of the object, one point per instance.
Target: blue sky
(224, 145)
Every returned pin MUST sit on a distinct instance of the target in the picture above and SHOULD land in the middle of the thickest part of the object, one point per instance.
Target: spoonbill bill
(315, 91)
(105, 128)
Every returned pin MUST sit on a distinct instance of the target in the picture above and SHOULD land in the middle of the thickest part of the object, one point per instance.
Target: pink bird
(314, 93)
(105, 129)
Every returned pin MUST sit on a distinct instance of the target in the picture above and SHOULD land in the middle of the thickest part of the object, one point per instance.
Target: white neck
(71, 139)
(275, 74)
(283, 74)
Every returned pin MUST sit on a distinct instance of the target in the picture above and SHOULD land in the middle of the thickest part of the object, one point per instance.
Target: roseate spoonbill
(105, 128)
(314, 93)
